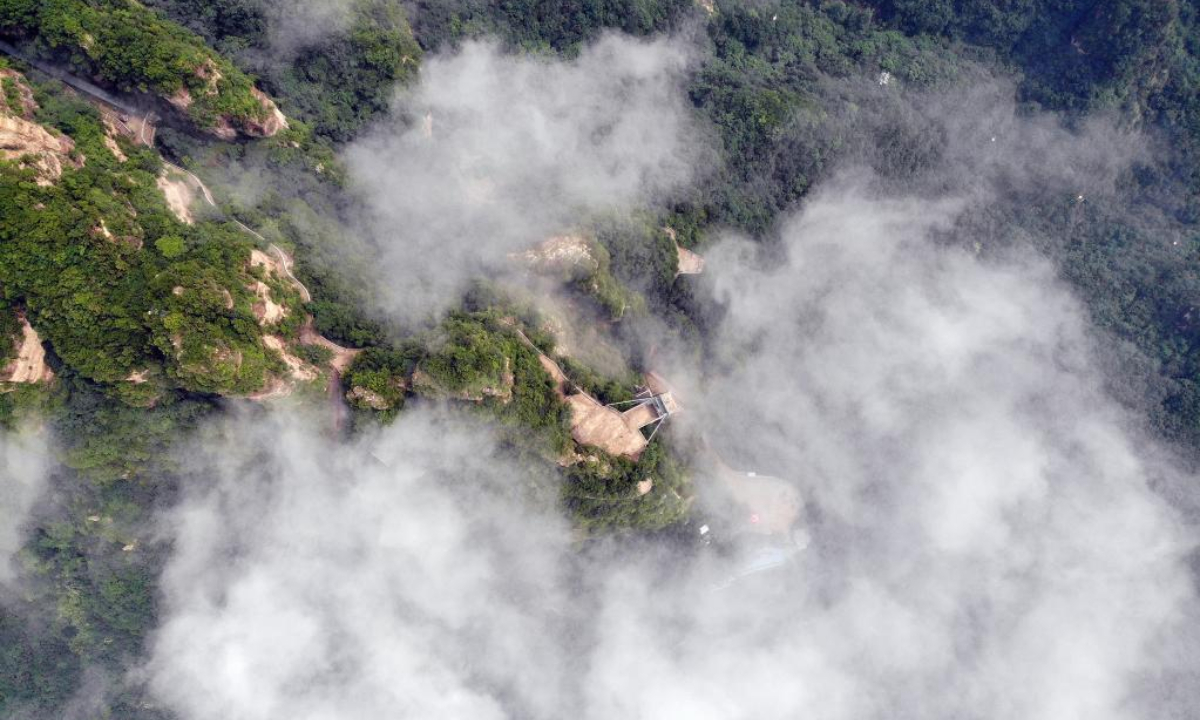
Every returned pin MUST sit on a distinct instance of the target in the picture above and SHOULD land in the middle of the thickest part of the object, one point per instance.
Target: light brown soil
(275, 388)
(178, 193)
(279, 264)
(558, 254)
(30, 364)
(556, 374)
(591, 422)
(139, 129)
(771, 506)
(689, 262)
(265, 309)
(299, 369)
(342, 356)
(181, 99)
(298, 372)
(603, 427)
(111, 143)
(639, 416)
(363, 396)
(274, 122)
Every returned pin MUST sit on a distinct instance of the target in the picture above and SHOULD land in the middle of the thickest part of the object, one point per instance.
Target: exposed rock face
(270, 122)
(47, 153)
(689, 262)
(362, 396)
(211, 75)
(181, 100)
(26, 104)
(179, 196)
(223, 129)
(562, 254)
(273, 121)
(266, 310)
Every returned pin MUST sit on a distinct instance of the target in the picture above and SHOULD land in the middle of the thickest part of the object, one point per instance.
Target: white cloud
(985, 539)
(515, 148)
(23, 468)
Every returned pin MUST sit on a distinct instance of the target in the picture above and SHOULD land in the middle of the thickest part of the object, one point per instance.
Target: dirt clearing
(30, 364)
(266, 310)
(178, 192)
(342, 356)
(771, 506)
(603, 427)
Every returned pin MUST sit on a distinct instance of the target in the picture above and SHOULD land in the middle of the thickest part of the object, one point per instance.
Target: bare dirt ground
(689, 262)
(342, 356)
(298, 372)
(556, 374)
(603, 427)
(139, 128)
(266, 310)
(770, 505)
(30, 364)
(592, 423)
(110, 139)
(639, 416)
(557, 254)
(299, 369)
(178, 192)
(279, 264)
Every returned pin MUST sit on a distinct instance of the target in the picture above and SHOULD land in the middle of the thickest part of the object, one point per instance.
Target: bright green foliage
(10, 334)
(171, 246)
(74, 254)
(378, 378)
(346, 80)
(337, 83)
(12, 93)
(602, 494)
(562, 25)
(134, 49)
(472, 357)
(468, 358)
(605, 389)
(317, 355)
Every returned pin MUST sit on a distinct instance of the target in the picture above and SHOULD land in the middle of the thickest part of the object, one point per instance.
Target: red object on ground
(754, 518)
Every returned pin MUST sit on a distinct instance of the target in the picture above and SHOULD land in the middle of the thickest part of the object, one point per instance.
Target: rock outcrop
(34, 146)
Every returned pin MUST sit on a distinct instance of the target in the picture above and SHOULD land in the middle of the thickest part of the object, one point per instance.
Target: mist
(24, 464)
(294, 25)
(986, 540)
(492, 153)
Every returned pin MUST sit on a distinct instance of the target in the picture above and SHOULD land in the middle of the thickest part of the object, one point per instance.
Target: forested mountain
(147, 284)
